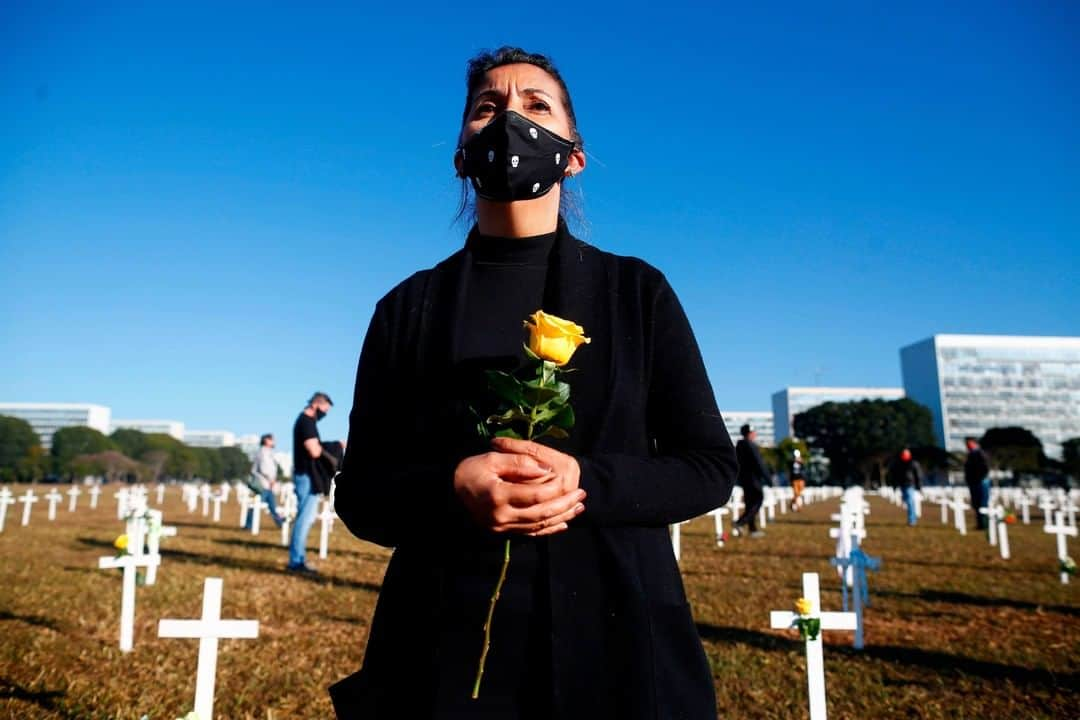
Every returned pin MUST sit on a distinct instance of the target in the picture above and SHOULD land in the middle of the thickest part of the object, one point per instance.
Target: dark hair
(320, 396)
(746, 429)
(264, 438)
(487, 60)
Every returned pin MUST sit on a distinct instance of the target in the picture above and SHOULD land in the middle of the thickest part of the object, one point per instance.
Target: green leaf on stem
(506, 386)
(509, 433)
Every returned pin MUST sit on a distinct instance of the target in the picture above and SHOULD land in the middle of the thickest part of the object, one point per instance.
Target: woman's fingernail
(579, 508)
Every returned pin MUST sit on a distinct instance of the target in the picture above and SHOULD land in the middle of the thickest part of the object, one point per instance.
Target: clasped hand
(520, 487)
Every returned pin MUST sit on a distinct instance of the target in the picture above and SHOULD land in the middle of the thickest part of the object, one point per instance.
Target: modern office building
(173, 428)
(972, 383)
(249, 444)
(47, 418)
(789, 402)
(761, 421)
(209, 438)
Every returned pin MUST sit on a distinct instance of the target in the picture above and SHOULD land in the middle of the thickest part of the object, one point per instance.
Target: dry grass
(953, 632)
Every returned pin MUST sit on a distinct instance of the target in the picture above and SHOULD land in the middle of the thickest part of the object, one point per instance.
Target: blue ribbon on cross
(860, 562)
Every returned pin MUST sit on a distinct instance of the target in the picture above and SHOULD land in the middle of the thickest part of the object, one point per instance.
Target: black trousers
(753, 497)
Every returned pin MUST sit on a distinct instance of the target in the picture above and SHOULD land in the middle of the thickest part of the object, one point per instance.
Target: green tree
(113, 465)
(1014, 448)
(17, 443)
(858, 437)
(168, 457)
(70, 442)
(210, 464)
(1070, 453)
(129, 441)
(236, 465)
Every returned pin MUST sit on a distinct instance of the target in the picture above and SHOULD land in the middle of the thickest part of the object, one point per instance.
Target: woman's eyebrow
(535, 91)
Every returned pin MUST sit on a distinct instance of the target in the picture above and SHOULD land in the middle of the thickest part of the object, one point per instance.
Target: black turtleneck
(506, 285)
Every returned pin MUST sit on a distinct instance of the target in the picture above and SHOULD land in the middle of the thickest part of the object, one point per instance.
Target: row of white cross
(774, 497)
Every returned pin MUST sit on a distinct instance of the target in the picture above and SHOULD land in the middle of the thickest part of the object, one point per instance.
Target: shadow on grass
(937, 662)
(44, 699)
(251, 565)
(977, 565)
(251, 544)
(35, 620)
(959, 598)
(945, 664)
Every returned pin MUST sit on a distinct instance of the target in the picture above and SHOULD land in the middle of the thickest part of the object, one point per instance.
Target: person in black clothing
(314, 464)
(752, 478)
(905, 473)
(977, 477)
(593, 620)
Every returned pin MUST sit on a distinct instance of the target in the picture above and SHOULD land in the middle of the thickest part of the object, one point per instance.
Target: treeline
(860, 438)
(124, 456)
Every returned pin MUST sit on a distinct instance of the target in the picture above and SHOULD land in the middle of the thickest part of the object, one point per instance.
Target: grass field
(953, 632)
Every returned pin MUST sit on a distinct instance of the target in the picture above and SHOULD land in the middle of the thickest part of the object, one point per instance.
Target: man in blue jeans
(263, 480)
(905, 473)
(313, 466)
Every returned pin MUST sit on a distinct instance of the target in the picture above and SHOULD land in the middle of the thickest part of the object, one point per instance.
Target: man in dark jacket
(752, 478)
(905, 473)
(977, 477)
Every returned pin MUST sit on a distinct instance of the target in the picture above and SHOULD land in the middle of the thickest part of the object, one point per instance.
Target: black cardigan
(653, 450)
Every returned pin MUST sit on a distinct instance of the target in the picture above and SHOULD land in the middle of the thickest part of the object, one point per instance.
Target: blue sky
(200, 206)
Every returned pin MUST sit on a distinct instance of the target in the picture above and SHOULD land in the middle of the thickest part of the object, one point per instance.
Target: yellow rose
(121, 543)
(802, 606)
(553, 338)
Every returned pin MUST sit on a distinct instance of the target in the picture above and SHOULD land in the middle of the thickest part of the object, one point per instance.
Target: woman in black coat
(593, 621)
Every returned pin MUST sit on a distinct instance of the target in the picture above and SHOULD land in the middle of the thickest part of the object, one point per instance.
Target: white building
(762, 421)
(47, 418)
(972, 383)
(173, 428)
(209, 438)
(789, 402)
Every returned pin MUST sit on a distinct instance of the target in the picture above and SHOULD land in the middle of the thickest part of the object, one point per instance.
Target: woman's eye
(485, 109)
(539, 105)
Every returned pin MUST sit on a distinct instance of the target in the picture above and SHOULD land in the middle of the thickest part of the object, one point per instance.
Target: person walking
(751, 478)
(798, 480)
(905, 473)
(977, 477)
(263, 479)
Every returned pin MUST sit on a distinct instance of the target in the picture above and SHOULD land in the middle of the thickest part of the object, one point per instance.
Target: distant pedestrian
(263, 479)
(798, 480)
(752, 478)
(906, 474)
(977, 477)
(314, 464)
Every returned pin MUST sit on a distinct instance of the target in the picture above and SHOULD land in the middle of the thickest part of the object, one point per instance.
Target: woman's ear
(576, 162)
(459, 163)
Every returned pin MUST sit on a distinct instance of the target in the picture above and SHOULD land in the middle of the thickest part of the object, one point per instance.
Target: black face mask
(514, 159)
(319, 414)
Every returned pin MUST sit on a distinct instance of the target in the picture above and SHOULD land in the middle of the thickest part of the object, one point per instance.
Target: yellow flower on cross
(802, 606)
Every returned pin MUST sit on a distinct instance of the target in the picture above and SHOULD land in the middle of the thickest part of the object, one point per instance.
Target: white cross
(5, 500)
(943, 501)
(257, 506)
(160, 493)
(1025, 503)
(225, 489)
(736, 503)
(1047, 506)
(1062, 530)
(129, 563)
(1070, 508)
(204, 493)
(28, 501)
(217, 499)
(288, 512)
(122, 509)
(718, 524)
(73, 495)
(959, 505)
(326, 517)
(53, 497)
(208, 630)
(245, 503)
(95, 490)
(155, 532)
(992, 513)
(815, 661)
